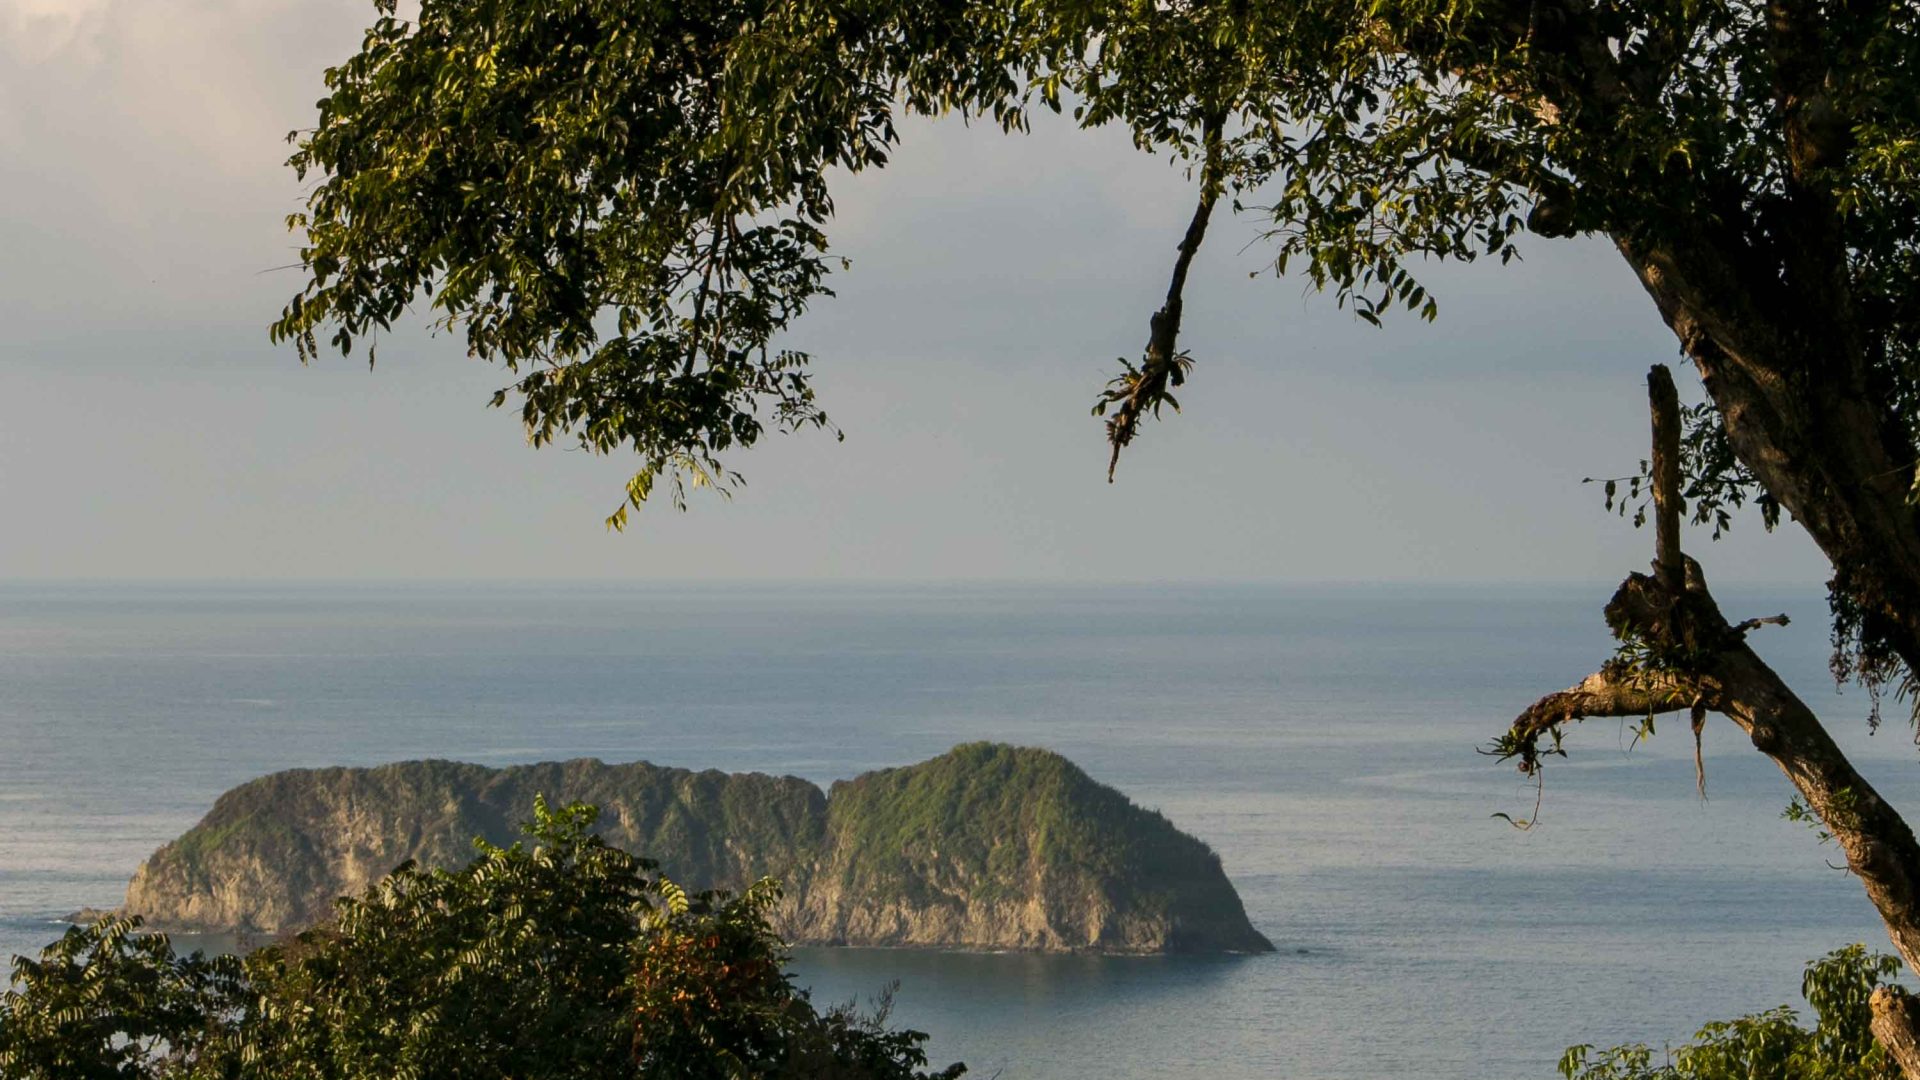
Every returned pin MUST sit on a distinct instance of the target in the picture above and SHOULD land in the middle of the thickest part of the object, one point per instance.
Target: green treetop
(563, 959)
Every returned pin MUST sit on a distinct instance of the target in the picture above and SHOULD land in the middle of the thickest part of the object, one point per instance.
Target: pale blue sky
(147, 428)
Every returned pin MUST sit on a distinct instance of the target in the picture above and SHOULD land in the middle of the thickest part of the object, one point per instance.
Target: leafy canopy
(624, 202)
(565, 960)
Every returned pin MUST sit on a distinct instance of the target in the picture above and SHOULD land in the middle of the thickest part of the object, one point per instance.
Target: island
(985, 848)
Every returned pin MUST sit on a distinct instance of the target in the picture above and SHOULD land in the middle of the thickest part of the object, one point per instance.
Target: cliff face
(985, 847)
(997, 847)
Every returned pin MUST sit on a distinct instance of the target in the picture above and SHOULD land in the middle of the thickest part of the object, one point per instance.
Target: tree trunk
(1802, 414)
(1896, 1019)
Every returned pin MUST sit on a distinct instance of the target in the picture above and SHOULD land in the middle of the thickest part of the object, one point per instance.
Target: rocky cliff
(985, 847)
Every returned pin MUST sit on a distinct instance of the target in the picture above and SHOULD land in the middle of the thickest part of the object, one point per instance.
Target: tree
(565, 960)
(624, 202)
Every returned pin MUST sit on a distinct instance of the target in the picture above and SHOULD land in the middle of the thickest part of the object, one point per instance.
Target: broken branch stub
(1667, 505)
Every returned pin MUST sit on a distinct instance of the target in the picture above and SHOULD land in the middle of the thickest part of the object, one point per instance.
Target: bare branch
(1610, 691)
(1745, 625)
(1665, 402)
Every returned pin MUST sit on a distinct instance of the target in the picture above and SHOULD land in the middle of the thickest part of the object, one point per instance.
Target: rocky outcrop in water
(986, 847)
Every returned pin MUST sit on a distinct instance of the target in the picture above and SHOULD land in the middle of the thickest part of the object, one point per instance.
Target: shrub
(562, 959)
(1770, 1045)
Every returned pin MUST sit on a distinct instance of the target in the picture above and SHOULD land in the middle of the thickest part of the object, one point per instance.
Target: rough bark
(1690, 657)
(1792, 384)
(1666, 476)
(1896, 1018)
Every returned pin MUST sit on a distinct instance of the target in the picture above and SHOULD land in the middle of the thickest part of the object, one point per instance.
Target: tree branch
(1142, 390)
(1688, 656)
(1611, 691)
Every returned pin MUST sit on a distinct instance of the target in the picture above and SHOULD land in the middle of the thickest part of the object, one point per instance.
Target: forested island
(986, 847)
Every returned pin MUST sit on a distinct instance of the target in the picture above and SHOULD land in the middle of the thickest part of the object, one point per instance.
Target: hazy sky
(148, 429)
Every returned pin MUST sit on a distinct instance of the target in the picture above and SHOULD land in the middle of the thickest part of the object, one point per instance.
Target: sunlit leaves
(558, 958)
(1770, 1045)
(624, 203)
(620, 200)
(108, 1000)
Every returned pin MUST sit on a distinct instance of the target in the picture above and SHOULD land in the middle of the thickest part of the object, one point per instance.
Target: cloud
(141, 144)
(42, 29)
(213, 82)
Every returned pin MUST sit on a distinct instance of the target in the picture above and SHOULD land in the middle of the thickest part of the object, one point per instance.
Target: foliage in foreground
(1771, 1045)
(567, 959)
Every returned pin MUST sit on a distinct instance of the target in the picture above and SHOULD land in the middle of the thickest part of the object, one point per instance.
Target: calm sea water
(1323, 740)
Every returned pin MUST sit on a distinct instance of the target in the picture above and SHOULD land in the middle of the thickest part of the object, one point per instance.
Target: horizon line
(869, 582)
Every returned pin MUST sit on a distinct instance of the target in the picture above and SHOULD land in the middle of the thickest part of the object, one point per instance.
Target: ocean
(1323, 739)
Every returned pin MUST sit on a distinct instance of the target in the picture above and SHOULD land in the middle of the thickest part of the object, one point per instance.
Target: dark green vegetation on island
(1027, 830)
(1771, 1045)
(566, 959)
(985, 847)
